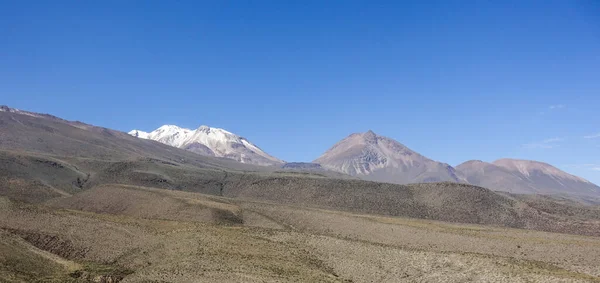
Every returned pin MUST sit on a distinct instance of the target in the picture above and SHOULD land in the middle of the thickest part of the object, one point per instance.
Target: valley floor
(107, 233)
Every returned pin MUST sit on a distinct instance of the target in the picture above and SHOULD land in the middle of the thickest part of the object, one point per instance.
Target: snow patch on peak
(4, 108)
(218, 142)
(139, 134)
(170, 128)
(211, 130)
(203, 128)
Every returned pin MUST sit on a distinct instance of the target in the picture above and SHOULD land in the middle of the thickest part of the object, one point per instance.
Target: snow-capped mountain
(378, 158)
(525, 176)
(210, 141)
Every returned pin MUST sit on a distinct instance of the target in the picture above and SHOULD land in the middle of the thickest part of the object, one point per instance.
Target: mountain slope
(23, 131)
(378, 158)
(44, 159)
(211, 142)
(525, 176)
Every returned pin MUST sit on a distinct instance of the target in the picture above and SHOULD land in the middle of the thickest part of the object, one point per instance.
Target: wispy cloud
(551, 140)
(545, 144)
(551, 108)
(538, 145)
(595, 136)
(596, 168)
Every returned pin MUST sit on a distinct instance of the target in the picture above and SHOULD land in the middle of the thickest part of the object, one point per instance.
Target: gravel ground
(279, 243)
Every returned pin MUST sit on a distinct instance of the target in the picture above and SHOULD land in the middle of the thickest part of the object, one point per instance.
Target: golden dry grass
(278, 243)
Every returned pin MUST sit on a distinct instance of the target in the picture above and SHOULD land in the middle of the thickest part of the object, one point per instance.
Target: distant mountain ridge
(363, 155)
(379, 158)
(525, 177)
(210, 142)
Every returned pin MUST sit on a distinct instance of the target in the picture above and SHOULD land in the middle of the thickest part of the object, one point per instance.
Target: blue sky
(453, 80)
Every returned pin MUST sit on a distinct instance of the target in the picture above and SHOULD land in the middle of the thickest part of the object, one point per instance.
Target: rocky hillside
(377, 158)
(210, 142)
(525, 177)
